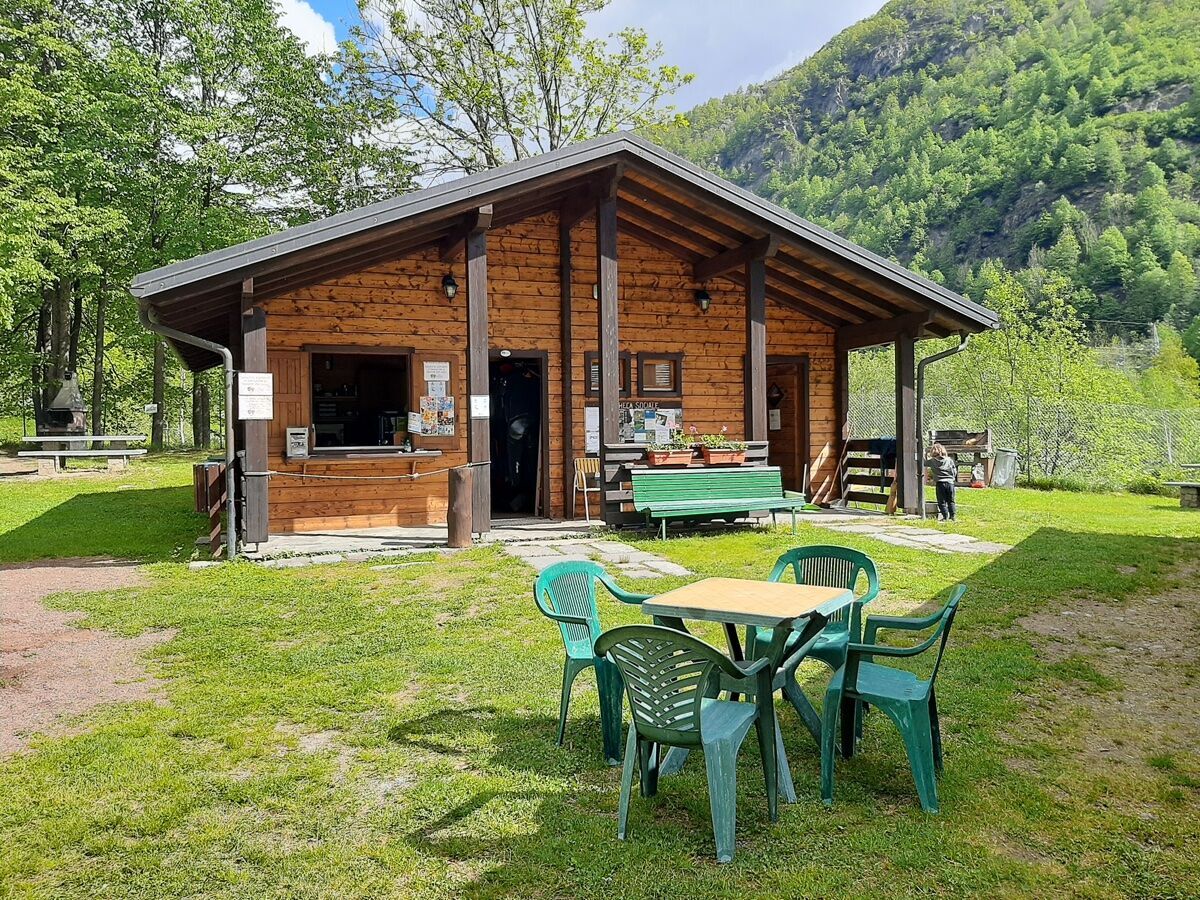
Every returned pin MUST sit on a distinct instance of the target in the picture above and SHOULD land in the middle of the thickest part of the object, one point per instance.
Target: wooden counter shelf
(358, 457)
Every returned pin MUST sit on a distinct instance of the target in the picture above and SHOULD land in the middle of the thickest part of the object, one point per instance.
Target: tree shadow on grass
(559, 803)
(148, 525)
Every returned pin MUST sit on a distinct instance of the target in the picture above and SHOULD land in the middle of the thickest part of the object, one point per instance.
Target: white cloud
(314, 30)
(730, 45)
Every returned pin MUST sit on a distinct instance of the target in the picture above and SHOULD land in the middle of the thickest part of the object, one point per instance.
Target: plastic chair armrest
(884, 650)
(623, 595)
(903, 623)
(560, 617)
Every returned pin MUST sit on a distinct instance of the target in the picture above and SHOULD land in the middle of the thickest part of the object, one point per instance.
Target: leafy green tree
(481, 82)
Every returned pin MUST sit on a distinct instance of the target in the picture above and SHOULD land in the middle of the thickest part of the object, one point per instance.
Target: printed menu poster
(437, 416)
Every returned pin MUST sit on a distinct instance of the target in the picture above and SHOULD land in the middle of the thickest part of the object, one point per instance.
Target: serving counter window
(360, 399)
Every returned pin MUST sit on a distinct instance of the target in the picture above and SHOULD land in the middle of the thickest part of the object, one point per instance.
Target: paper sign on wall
(481, 406)
(254, 396)
(436, 388)
(774, 420)
(437, 371)
(591, 429)
(414, 422)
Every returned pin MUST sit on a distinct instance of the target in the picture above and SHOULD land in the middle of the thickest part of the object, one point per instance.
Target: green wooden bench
(710, 493)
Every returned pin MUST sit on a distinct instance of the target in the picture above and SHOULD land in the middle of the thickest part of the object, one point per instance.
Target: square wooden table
(762, 604)
(740, 601)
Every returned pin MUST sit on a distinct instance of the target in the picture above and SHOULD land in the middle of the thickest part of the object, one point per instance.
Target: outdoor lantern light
(449, 285)
(703, 299)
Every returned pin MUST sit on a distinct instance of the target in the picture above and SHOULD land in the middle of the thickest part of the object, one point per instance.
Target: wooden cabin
(570, 305)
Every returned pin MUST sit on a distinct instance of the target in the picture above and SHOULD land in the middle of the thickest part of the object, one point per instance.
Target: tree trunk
(60, 334)
(159, 418)
(37, 373)
(98, 362)
(201, 426)
(75, 327)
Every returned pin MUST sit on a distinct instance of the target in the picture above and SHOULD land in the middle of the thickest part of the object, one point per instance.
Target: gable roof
(663, 198)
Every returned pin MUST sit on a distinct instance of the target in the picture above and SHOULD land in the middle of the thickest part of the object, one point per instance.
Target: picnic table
(58, 448)
(732, 602)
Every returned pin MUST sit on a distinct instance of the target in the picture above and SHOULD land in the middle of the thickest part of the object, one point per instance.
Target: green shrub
(1071, 483)
(1155, 483)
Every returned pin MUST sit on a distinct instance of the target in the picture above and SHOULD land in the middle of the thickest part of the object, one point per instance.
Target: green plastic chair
(909, 701)
(827, 566)
(566, 593)
(672, 681)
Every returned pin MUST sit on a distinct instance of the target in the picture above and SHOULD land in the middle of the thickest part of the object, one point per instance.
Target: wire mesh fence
(1098, 443)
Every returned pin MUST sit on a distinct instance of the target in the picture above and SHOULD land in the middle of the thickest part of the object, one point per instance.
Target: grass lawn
(341, 731)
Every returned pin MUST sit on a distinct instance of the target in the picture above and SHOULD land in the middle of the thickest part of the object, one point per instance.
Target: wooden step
(865, 497)
(875, 481)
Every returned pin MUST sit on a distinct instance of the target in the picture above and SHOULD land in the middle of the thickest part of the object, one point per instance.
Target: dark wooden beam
(578, 205)
(835, 311)
(735, 257)
(881, 300)
(755, 402)
(881, 331)
(671, 229)
(476, 221)
(654, 239)
(696, 213)
(255, 513)
(606, 280)
(907, 472)
(566, 356)
(478, 426)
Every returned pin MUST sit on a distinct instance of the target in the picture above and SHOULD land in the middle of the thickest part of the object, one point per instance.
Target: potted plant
(675, 452)
(719, 450)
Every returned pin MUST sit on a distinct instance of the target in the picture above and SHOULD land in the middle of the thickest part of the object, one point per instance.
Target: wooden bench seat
(52, 460)
(709, 493)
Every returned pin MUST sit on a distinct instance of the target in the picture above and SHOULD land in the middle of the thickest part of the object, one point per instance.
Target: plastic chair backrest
(667, 674)
(948, 613)
(826, 565)
(569, 588)
(585, 466)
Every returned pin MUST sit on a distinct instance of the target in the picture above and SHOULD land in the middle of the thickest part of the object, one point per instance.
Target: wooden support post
(478, 428)
(458, 522)
(610, 346)
(255, 513)
(907, 471)
(567, 362)
(755, 401)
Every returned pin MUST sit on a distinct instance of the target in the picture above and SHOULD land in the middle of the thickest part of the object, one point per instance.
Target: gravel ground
(48, 667)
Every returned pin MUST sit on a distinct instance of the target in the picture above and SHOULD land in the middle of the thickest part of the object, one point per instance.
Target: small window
(359, 399)
(660, 374)
(591, 368)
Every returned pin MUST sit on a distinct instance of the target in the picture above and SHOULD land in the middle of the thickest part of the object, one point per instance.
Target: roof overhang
(662, 199)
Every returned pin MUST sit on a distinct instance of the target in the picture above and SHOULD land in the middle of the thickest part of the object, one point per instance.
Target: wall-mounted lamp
(449, 285)
(703, 300)
(595, 292)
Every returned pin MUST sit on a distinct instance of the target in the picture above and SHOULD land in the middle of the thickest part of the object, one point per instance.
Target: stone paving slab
(913, 537)
(626, 560)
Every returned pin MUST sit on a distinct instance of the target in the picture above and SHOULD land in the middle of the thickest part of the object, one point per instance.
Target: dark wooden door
(787, 424)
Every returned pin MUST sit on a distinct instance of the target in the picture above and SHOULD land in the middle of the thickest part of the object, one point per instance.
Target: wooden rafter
(474, 222)
(735, 257)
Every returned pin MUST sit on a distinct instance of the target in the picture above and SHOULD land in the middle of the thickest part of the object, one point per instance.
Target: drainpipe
(150, 323)
(963, 338)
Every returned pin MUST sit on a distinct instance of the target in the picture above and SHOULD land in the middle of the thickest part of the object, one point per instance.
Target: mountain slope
(1054, 134)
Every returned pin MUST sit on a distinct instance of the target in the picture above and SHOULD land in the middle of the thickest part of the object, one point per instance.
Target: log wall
(401, 304)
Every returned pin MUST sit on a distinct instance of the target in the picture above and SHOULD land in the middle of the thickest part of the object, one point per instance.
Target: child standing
(944, 470)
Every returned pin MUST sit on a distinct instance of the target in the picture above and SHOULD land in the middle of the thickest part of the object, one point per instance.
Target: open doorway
(519, 395)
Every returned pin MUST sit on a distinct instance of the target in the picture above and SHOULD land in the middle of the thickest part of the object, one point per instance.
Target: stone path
(901, 534)
(627, 560)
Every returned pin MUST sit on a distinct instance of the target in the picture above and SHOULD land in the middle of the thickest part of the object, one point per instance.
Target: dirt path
(48, 668)
(1143, 685)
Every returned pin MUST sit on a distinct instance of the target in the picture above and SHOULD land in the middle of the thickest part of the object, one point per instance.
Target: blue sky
(726, 43)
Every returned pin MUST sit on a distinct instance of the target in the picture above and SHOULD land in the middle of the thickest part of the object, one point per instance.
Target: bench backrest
(744, 482)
